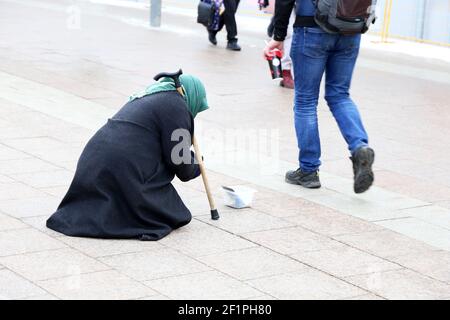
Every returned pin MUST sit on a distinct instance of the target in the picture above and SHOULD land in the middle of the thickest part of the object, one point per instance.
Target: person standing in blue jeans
(314, 53)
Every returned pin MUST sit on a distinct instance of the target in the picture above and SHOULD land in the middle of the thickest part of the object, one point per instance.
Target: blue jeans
(314, 53)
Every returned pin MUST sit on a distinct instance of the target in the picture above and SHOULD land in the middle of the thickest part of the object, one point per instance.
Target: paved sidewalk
(58, 85)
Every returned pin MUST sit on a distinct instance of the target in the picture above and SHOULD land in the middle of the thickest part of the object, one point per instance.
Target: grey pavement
(63, 74)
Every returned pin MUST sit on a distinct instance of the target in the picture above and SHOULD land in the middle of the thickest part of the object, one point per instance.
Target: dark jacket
(304, 9)
(122, 185)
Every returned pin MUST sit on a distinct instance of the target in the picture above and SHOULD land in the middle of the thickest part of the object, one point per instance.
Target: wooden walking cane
(212, 205)
(176, 78)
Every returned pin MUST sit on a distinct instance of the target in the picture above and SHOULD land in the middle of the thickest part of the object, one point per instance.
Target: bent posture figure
(122, 185)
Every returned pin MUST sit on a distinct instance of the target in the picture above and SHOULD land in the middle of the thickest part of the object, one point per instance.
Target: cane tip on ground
(215, 214)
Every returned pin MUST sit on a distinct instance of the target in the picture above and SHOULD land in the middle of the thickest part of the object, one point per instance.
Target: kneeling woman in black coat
(122, 185)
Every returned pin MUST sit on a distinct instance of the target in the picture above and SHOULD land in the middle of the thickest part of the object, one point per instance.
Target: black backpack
(345, 16)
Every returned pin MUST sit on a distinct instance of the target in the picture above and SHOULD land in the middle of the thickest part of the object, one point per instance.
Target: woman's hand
(273, 45)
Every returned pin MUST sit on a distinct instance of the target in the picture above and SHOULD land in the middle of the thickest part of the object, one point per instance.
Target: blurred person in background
(226, 18)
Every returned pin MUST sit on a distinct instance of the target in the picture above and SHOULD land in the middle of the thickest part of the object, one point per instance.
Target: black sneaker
(233, 45)
(212, 37)
(363, 159)
(308, 180)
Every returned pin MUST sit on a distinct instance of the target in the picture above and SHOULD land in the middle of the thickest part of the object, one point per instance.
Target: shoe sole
(364, 176)
(308, 185)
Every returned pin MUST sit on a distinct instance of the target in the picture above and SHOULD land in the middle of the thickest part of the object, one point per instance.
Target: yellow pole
(386, 21)
(383, 28)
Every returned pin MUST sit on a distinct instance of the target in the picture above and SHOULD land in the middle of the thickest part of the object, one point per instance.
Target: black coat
(122, 185)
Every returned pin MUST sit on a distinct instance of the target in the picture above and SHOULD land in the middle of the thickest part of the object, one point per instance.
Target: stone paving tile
(366, 297)
(211, 285)
(154, 264)
(7, 153)
(61, 155)
(291, 240)
(12, 132)
(45, 179)
(3, 123)
(444, 204)
(10, 223)
(58, 192)
(198, 206)
(39, 223)
(186, 193)
(402, 284)
(385, 243)
(199, 239)
(17, 190)
(252, 263)
(286, 206)
(69, 165)
(217, 180)
(32, 118)
(73, 134)
(155, 297)
(5, 179)
(435, 264)
(241, 221)
(33, 144)
(30, 207)
(265, 194)
(104, 285)
(311, 285)
(41, 297)
(101, 247)
(345, 261)
(435, 215)
(8, 107)
(427, 191)
(370, 209)
(332, 223)
(28, 165)
(430, 234)
(21, 241)
(13, 286)
(52, 264)
(264, 297)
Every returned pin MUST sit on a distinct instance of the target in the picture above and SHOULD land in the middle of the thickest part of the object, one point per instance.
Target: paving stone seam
(298, 261)
(28, 138)
(29, 252)
(119, 254)
(236, 234)
(77, 275)
(428, 222)
(389, 259)
(109, 270)
(37, 216)
(14, 218)
(29, 281)
(322, 272)
(146, 280)
(418, 272)
(214, 269)
(343, 278)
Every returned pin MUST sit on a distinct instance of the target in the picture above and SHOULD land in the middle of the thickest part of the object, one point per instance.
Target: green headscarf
(194, 92)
